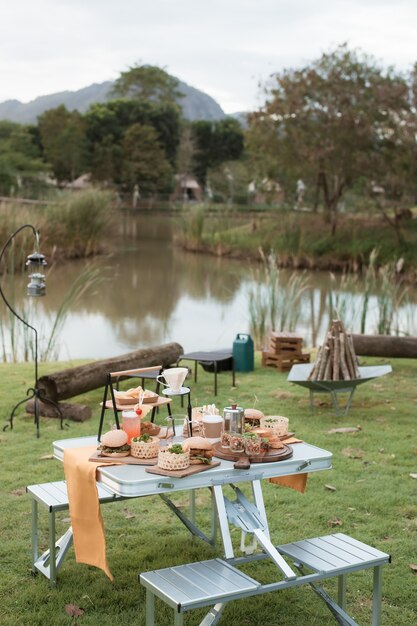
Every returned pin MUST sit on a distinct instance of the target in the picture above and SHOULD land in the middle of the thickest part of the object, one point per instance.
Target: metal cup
(234, 419)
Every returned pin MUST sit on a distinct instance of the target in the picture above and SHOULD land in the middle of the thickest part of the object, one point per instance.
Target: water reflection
(152, 292)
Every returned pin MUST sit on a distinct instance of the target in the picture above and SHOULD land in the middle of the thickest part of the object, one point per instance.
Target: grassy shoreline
(373, 500)
(301, 240)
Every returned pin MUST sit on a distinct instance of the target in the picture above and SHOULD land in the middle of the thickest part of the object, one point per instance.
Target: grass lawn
(374, 500)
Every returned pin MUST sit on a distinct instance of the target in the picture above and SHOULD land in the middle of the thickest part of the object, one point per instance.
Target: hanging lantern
(35, 262)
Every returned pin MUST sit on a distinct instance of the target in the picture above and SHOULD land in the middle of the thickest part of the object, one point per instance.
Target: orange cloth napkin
(84, 508)
(298, 481)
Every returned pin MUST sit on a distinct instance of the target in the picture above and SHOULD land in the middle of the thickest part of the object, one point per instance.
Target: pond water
(152, 292)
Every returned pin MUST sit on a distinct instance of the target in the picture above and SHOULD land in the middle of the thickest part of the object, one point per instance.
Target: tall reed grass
(370, 283)
(392, 294)
(375, 304)
(371, 305)
(87, 280)
(77, 225)
(274, 305)
(17, 341)
(192, 224)
(74, 226)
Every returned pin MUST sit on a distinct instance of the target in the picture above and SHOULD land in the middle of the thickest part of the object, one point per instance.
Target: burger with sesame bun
(114, 444)
(201, 450)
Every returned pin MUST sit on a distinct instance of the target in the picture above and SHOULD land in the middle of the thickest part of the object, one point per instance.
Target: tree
(107, 124)
(63, 138)
(325, 122)
(147, 82)
(230, 181)
(227, 141)
(186, 152)
(216, 143)
(394, 188)
(20, 162)
(144, 160)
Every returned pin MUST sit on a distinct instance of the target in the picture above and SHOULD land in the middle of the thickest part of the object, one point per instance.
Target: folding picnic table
(330, 556)
(133, 481)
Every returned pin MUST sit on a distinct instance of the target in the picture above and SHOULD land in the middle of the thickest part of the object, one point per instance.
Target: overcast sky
(224, 47)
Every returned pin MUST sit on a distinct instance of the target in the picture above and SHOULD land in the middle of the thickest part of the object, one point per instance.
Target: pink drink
(131, 424)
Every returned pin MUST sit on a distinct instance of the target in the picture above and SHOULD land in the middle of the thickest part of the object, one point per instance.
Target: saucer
(181, 392)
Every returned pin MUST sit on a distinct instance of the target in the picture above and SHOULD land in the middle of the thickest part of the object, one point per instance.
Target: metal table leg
(311, 402)
(223, 523)
(215, 378)
(192, 506)
(213, 520)
(150, 608)
(35, 548)
(178, 618)
(341, 591)
(260, 505)
(377, 596)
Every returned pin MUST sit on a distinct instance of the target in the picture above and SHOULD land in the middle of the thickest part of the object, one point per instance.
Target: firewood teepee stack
(336, 358)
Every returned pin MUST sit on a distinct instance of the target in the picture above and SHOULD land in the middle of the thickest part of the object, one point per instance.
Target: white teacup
(174, 377)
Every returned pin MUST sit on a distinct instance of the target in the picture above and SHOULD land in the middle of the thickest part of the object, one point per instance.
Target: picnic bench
(218, 581)
(54, 497)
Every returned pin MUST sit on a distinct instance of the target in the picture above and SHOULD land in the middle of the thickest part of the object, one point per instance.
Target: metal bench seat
(217, 582)
(54, 497)
(334, 553)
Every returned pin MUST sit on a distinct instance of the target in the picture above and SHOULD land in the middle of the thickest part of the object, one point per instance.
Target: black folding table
(215, 357)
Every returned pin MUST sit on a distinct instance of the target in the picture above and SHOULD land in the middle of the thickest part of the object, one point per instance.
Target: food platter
(270, 456)
(123, 460)
(124, 399)
(188, 471)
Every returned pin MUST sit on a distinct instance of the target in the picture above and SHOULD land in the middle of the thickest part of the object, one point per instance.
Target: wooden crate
(283, 362)
(279, 342)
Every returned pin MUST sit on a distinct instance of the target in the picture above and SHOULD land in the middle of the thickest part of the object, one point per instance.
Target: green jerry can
(243, 353)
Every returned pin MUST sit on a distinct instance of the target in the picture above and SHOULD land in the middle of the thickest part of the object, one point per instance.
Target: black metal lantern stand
(35, 262)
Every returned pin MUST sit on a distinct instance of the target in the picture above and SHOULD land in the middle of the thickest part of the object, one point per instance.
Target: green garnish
(176, 448)
(145, 437)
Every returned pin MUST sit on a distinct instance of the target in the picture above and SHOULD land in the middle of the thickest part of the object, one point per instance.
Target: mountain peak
(196, 105)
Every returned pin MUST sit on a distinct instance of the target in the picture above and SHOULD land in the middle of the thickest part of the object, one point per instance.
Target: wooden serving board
(130, 407)
(281, 437)
(188, 471)
(124, 460)
(270, 456)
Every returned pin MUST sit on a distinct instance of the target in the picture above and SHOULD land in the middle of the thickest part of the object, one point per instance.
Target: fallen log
(74, 412)
(385, 345)
(76, 380)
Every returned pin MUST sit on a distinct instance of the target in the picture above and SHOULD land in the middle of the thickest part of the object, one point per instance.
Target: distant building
(187, 189)
(81, 183)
